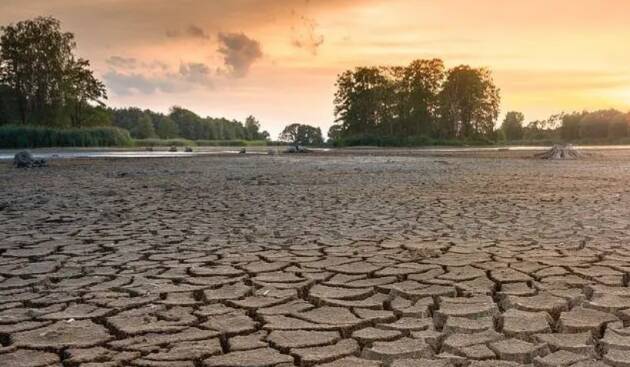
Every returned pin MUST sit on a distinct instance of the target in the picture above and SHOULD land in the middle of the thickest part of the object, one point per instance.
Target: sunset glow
(546, 56)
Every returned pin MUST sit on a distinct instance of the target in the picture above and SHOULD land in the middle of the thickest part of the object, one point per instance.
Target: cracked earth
(327, 260)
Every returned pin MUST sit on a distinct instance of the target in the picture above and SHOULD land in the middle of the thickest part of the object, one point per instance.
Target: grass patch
(19, 137)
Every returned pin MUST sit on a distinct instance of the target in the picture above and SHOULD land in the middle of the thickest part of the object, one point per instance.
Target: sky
(278, 59)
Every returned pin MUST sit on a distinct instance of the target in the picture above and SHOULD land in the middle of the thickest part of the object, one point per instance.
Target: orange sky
(278, 60)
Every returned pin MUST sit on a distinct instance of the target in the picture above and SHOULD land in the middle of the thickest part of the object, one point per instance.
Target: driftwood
(561, 152)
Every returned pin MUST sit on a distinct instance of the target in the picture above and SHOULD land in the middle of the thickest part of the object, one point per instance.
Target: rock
(296, 149)
(25, 159)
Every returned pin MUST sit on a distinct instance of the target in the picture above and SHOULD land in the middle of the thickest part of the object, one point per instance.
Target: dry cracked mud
(371, 259)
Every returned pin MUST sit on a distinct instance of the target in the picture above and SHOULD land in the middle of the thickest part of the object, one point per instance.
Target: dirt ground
(359, 258)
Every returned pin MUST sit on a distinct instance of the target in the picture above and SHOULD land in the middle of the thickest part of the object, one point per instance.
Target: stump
(558, 152)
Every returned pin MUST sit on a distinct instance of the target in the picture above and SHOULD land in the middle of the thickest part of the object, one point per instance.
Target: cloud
(193, 31)
(122, 62)
(239, 53)
(305, 35)
(196, 32)
(154, 78)
(124, 84)
(196, 73)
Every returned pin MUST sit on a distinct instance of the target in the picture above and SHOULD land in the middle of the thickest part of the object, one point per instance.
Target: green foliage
(512, 127)
(200, 143)
(143, 129)
(165, 127)
(47, 85)
(468, 104)
(183, 123)
(609, 125)
(407, 141)
(28, 136)
(420, 99)
(163, 142)
(232, 143)
(300, 134)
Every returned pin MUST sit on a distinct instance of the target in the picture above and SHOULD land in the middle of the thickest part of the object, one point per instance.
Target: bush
(19, 137)
(408, 141)
(231, 143)
(163, 142)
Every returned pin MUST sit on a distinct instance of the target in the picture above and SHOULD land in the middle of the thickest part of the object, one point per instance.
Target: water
(61, 153)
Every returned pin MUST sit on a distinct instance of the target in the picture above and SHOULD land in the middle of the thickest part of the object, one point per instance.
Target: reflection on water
(52, 153)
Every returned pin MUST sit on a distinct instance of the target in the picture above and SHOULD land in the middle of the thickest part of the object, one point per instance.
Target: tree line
(421, 99)
(602, 125)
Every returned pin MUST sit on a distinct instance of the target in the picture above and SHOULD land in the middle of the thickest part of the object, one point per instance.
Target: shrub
(163, 142)
(230, 143)
(27, 136)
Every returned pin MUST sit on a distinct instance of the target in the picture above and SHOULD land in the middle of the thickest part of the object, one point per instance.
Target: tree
(416, 88)
(165, 127)
(82, 88)
(252, 129)
(512, 126)
(570, 126)
(144, 128)
(38, 65)
(299, 134)
(361, 100)
(468, 103)
(335, 133)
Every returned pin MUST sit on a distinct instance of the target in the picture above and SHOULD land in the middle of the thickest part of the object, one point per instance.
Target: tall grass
(408, 141)
(231, 143)
(200, 143)
(163, 142)
(18, 137)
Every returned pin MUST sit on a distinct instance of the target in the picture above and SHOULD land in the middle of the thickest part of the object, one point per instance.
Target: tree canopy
(512, 125)
(300, 134)
(42, 80)
(419, 99)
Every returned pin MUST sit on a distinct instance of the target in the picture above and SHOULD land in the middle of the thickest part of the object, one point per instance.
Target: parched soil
(356, 259)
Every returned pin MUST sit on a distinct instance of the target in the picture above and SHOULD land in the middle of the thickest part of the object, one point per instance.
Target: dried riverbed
(355, 259)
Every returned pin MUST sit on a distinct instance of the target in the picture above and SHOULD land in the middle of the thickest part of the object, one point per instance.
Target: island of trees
(50, 97)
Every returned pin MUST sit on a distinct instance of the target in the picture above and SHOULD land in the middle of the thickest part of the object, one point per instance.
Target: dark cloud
(305, 35)
(193, 31)
(239, 53)
(196, 73)
(122, 62)
(196, 32)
